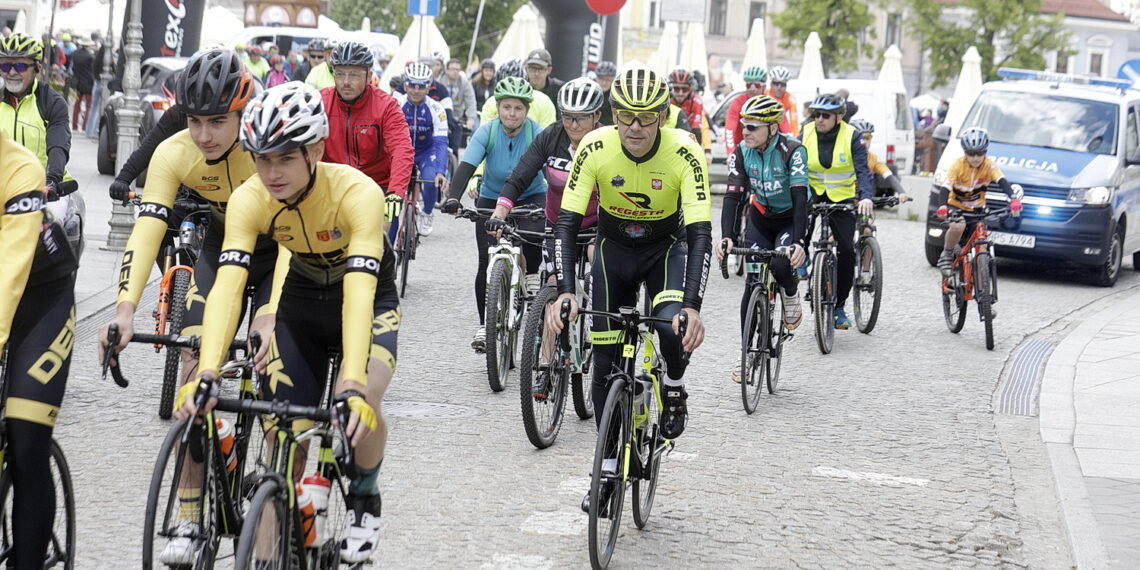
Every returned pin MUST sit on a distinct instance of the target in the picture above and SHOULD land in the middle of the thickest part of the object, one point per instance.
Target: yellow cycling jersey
(651, 197)
(21, 220)
(177, 161)
(336, 235)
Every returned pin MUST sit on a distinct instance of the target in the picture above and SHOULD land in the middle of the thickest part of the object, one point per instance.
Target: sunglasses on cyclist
(681, 89)
(976, 153)
(411, 85)
(823, 115)
(752, 127)
(755, 85)
(781, 83)
(19, 67)
(644, 119)
(316, 56)
(577, 119)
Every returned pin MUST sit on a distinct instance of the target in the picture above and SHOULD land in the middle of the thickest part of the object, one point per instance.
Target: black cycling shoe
(675, 413)
(604, 508)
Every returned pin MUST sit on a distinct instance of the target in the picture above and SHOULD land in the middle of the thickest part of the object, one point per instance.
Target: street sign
(683, 11)
(605, 7)
(423, 7)
(1130, 70)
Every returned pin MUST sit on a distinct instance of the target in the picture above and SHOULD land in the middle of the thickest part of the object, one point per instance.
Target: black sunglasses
(822, 115)
(20, 67)
(976, 153)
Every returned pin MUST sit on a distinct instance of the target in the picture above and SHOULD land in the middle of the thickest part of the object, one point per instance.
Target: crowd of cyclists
(305, 182)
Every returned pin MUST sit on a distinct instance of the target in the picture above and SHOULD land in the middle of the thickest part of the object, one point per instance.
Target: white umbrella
(21, 25)
(756, 52)
(422, 38)
(891, 72)
(220, 25)
(662, 60)
(811, 69)
(521, 37)
(88, 16)
(694, 56)
(328, 25)
(969, 85)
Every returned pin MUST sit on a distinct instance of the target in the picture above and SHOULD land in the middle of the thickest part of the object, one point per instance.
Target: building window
(1098, 48)
(1062, 65)
(757, 10)
(1096, 63)
(718, 14)
(894, 26)
(655, 14)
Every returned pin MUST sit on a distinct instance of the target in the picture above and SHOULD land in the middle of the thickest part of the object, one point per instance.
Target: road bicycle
(507, 296)
(973, 276)
(548, 369)
(408, 235)
(629, 432)
(823, 278)
(867, 290)
(764, 333)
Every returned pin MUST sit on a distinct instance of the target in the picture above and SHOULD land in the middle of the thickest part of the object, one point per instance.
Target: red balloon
(605, 7)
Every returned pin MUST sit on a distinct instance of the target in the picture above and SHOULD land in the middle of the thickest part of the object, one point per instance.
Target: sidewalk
(1090, 424)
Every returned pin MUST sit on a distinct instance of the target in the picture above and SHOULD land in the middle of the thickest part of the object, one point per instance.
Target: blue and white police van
(1073, 144)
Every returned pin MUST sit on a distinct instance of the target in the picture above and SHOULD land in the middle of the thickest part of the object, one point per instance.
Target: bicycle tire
(823, 300)
(753, 357)
(867, 309)
(279, 532)
(498, 326)
(983, 294)
(171, 380)
(953, 303)
(776, 339)
(407, 246)
(542, 416)
(61, 551)
(581, 382)
(644, 487)
(602, 546)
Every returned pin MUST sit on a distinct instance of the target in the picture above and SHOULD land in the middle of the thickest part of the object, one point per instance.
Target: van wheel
(1105, 274)
(933, 252)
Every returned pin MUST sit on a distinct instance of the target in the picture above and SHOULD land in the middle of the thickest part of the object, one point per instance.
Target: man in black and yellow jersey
(838, 172)
(654, 228)
(340, 293)
(37, 325)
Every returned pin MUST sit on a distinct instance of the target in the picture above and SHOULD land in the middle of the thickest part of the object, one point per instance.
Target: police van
(1073, 144)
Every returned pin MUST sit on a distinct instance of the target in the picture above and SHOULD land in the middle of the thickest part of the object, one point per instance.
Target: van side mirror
(942, 133)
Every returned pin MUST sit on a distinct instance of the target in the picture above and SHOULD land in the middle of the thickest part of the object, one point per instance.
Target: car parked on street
(157, 95)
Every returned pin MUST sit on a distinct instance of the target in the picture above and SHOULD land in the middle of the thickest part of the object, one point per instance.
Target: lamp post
(129, 118)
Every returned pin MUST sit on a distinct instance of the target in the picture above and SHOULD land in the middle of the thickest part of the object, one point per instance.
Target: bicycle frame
(978, 242)
(182, 256)
(511, 253)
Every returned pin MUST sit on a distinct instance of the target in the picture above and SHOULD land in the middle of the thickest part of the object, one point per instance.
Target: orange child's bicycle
(973, 276)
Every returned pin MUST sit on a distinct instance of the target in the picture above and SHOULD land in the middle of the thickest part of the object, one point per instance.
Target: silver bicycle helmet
(581, 95)
(283, 118)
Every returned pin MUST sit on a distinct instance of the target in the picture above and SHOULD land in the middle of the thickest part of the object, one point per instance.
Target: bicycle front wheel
(582, 381)
(267, 538)
(984, 294)
(868, 284)
(953, 302)
(497, 319)
(753, 356)
(543, 376)
(646, 441)
(407, 236)
(607, 487)
(823, 300)
(180, 285)
(774, 346)
(61, 547)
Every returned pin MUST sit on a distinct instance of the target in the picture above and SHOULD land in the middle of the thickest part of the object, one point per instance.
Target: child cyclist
(965, 190)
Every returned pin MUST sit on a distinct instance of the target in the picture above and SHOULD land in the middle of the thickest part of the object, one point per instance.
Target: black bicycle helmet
(512, 68)
(351, 54)
(317, 44)
(214, 83)
(828, 103)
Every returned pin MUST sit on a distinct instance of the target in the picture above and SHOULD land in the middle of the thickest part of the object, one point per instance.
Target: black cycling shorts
(309, 330)
(39, 351)
(206, 271)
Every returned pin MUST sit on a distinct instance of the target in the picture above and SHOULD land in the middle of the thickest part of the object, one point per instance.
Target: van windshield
(1034, 119)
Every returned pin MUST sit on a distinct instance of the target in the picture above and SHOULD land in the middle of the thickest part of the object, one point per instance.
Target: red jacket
(732, 123)
(370, 135)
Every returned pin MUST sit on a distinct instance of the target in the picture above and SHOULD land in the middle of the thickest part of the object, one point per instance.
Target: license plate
(1013, 240)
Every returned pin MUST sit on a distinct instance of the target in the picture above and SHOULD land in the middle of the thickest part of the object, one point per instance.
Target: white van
(291, 38)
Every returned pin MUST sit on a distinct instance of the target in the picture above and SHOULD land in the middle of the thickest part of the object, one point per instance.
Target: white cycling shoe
(362, 529)
(180, 550)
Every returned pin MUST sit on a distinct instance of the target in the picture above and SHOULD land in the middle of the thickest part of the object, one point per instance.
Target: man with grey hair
(462, 101)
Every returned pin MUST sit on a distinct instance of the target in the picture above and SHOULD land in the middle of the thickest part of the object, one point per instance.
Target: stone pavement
(1090, 424)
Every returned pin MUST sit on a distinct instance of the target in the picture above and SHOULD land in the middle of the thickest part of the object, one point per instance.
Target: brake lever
(207, 388)
(682, 327)
(564, 337)
(109, 356)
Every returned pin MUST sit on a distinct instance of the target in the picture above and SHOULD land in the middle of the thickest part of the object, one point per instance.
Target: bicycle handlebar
(515, 214)
(111, 357)
(764, 254)
(60, 190)
(275, 407)
(827, 208)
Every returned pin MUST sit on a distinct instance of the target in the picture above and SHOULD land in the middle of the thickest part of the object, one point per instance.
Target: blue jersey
(427, 123)
(502, 153)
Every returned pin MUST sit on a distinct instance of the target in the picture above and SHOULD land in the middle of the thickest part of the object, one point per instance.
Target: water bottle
(225, 430)
(186, 230)
(308, 517)
(317, 487)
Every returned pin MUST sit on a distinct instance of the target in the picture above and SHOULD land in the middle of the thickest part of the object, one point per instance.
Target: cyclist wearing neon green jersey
(541, 108)
(339, 295)
(654, 228)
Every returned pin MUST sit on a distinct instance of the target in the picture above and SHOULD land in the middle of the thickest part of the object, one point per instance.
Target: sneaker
(362, 528)
(737, 374)
(604, 508)
(541, 383)
(424, 224)
(841, 321)
(533, 282)
(180, 549)
(793, 312)
(675, 413)
(946, 263)
(479, 342)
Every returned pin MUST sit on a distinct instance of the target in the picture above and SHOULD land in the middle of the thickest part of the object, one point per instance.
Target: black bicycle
(867, 290)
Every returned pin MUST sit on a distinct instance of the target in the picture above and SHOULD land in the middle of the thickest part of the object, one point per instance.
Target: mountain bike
(507, 297)
(973, 275)
(629, 432)
(867, 291)
(548, 368)
(762, 339)
(823, 275)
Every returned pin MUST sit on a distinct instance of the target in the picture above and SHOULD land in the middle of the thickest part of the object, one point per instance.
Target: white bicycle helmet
(779, 74)
(417, 73)
(284, 118)
(581, 95)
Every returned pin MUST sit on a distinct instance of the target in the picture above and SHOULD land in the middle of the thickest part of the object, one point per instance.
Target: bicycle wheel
(542, 381)
(823, 299)
(983, 294)
(775, 340)
(604, 532)
(61, 547)
(406, 236)
(868, 283)
(498, 323)
(647, 439)
(953, 303)
(180, 284)
(753, 356)
(582, 381)
(268, 537)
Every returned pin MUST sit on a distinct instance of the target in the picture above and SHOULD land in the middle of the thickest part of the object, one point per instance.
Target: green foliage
(456, 20)
(1009, 33)
(841, 25)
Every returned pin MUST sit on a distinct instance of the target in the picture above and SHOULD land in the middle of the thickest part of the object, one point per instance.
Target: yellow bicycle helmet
(639, 90)
(762, 108)
(22, 45)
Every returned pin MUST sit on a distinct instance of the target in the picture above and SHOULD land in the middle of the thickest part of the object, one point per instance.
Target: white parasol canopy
(756, 52)
(85, 17)
(891, 72)
(221, 26)
(812, 67)
(520, 38)
(664, 59)
(422, 38)
(694, 55)
(969, 85)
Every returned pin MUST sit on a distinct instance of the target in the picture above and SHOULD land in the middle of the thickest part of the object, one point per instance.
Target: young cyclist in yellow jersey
(331, 217)
(37, 326)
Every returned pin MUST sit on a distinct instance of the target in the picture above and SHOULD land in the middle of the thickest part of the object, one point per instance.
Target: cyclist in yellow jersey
(331, 217)
(654, 227)
(37, 326)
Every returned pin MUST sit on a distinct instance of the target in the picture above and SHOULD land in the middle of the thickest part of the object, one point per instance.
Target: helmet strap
(225, 155)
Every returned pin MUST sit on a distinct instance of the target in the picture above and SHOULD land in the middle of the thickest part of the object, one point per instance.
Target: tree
(455, 22)
(1011, 33)
(841, 25)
